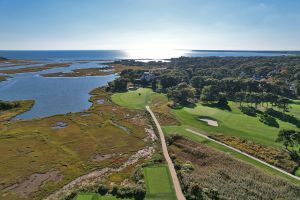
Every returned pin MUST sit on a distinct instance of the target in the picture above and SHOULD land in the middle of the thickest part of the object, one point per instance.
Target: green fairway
(138, 99)
(180, 130)
(159, 183)
(234, 123)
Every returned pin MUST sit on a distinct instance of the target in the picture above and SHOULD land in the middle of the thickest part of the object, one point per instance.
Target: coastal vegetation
(100, 71)
(34, 69)
(3, 78)
(105, 137)
(208, 173)
(3, 59)
(10, 109)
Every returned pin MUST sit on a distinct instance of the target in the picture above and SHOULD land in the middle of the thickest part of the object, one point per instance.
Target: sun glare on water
(154, 54)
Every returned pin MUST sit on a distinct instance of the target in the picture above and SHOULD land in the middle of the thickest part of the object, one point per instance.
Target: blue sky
(137, 24)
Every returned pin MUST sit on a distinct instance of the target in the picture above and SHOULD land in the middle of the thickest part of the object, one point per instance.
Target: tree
(197, 82)
(182, 93)
(118, 85)
(289, 138)
(154, 85)
(291, 142)
(171, 79)
(102, 189)
(223, 101)
(240, 97)
(209, 93)
(283, 103)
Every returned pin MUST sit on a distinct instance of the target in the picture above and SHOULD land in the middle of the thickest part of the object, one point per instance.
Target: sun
(154, 53)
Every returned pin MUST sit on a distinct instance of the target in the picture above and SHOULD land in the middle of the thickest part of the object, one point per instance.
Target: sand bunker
(209, 121)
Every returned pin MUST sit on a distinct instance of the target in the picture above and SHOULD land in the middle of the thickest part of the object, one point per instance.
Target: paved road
(175, 180)
(245, 154)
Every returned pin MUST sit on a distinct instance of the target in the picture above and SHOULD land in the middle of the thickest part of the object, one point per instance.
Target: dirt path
(175, 180)
(245, 154)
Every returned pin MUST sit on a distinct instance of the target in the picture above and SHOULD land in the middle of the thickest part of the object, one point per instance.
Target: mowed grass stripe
(159, 183)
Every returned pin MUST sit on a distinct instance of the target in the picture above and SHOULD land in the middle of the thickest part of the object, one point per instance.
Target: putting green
(138, 99)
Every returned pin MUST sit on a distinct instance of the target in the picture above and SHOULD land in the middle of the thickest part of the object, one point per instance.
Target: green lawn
(180, 130)
(137, 99)
(159, 183)
(93, 196)
(234, 123)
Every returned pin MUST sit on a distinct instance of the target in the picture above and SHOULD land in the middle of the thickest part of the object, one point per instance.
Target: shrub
(102, 189)
(4, 105)
(157, 158)
(251, 111)
(125, 192)
(139, 193)
(138, 175)
(269, 120)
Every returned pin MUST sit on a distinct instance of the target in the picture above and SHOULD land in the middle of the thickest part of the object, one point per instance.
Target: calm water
(126, 54)
(53, 95)
(62, 95)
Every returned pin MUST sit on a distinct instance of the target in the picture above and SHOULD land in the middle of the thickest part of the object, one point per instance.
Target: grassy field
(159, 183)
(50, 156)
(138, 99)
(234, 123)
(92, 196)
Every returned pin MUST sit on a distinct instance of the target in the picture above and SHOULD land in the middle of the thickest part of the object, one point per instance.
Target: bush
(269, 120)
(139, 193)
(125, 192)
(102, 189)
(138, 175)
(4, 105)
(251, 111)
(158, 158)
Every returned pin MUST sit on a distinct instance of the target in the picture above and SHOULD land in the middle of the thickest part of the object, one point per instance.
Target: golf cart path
(245, 154)
(175, 180)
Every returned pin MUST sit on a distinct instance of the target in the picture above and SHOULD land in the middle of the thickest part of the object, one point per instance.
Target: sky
(150, 24)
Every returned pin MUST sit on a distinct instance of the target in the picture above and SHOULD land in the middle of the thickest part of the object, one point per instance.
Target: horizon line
(228, 50)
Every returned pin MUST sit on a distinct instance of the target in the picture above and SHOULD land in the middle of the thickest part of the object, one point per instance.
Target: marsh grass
(230, 178)
(33, 146)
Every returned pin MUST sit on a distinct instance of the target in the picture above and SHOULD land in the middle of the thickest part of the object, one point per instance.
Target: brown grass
(274, 156)
(34, 69)
(34, 146)
(231, 178)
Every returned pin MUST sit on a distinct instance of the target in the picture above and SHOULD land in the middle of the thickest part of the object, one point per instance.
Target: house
(148, 76)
